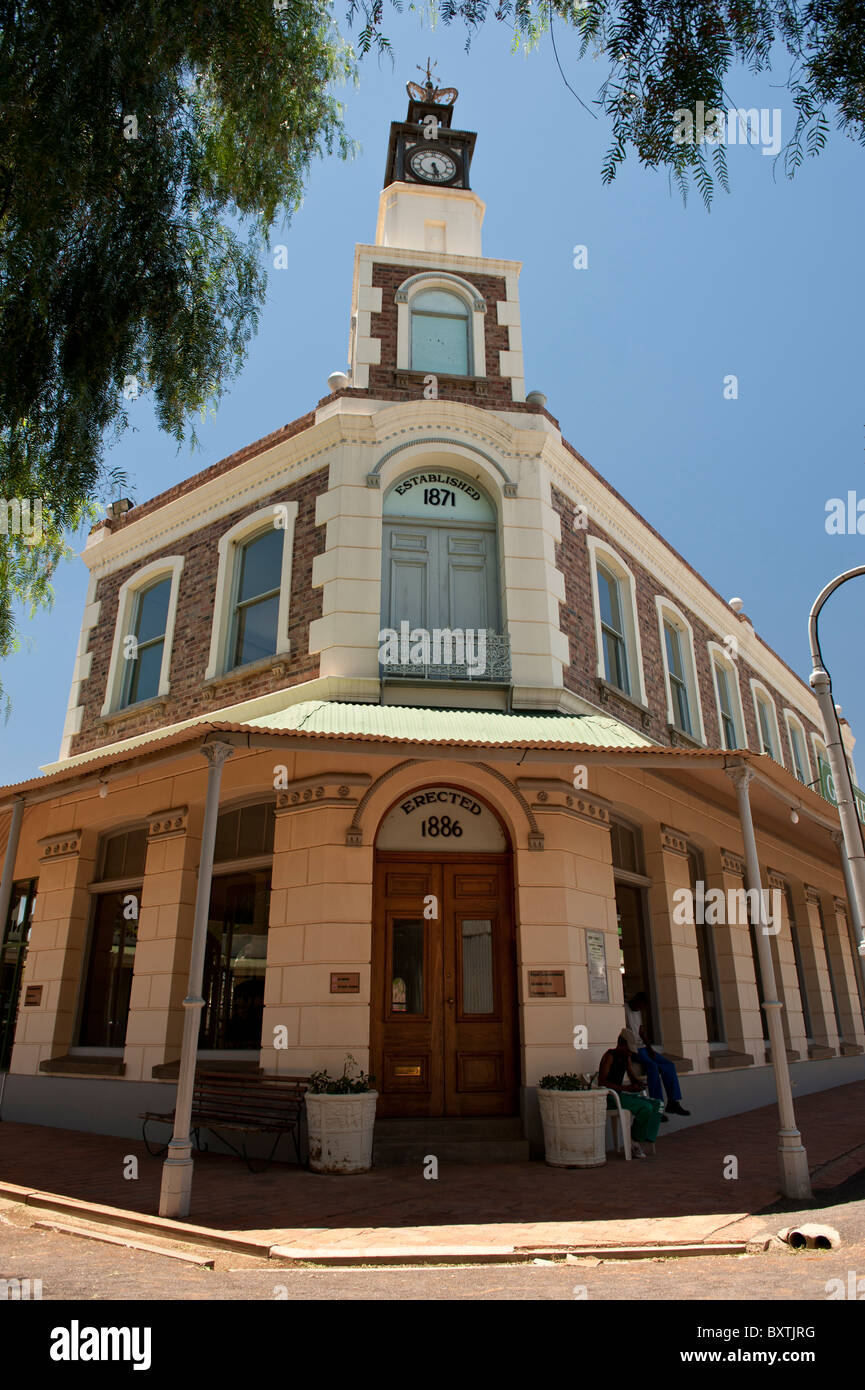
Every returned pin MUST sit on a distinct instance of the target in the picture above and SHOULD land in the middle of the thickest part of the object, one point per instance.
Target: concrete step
(498, 1139)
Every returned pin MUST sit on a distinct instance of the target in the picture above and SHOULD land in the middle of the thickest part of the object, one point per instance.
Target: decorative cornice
(556, 794)
(812, 895)
(732, 863)
(328, 789)
(63, 846)
(776, 880)
(673, 840)
(840, 906)
(164, 825)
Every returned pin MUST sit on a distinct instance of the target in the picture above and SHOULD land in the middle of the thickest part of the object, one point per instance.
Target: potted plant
(574, 1117)
(340, 1119)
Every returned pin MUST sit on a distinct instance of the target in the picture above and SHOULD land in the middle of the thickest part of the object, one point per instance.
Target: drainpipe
(820, 682)
(9, 862)
(176, 1191)
(792, 1158)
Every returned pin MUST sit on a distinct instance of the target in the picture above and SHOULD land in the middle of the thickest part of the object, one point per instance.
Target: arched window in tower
(440, 333)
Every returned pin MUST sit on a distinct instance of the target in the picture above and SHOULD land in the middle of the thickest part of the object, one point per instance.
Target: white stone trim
(793, 719)
(717, 653)
(758, 692)
(81, 669)
(668, 609)
(168, 565)
(599, 551)
(818, 748)
(222, 604)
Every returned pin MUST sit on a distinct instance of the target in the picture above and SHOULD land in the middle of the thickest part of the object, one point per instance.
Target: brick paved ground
(679, 1195)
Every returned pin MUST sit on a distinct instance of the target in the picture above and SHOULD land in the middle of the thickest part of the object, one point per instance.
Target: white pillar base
(175, 1194)
(793, 1165)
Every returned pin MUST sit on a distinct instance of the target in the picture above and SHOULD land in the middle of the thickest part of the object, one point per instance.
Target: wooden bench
(243, 1104)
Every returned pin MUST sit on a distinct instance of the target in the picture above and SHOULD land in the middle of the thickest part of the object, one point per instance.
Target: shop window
(626, 847)
(13, 954)
(110, 966)
(706, 955)
(123, 855)
(800, 965)
(245, 833)
(235, 961)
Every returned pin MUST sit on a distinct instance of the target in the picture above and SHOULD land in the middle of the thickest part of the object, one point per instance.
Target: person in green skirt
(645, 1112)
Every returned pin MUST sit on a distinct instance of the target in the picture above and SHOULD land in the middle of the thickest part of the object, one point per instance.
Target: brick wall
(195, 620)
(494, 391)
(578, 624)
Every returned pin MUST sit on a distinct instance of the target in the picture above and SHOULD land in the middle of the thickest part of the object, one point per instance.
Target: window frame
(476, 309)
(168, 567)
(600, 553)
(464, 317)
(719, 658)
(793, 722)
(762, 698)
(229, 548)
(668, 612)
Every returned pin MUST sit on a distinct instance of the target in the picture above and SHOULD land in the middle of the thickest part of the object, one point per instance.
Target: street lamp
(852, 851)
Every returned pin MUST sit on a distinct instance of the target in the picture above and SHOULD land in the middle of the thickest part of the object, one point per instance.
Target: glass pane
(406, 981)
(674, 650)
(144, 673)
(256, 630)
(625, 848)
(439, 344)
(256, 830)
(478, 992)
(109, 970)
(798, 753)
(261, 565)
(439, 302)
(123, 855)
(608, 598)
(152, 614)
(235, 961)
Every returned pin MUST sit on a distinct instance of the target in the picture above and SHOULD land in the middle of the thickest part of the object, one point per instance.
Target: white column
(176, 1191)
(792, 1158)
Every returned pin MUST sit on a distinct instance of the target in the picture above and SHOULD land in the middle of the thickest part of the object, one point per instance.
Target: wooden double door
(443, 1029)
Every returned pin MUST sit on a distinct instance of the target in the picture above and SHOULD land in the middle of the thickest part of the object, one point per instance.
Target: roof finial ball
(338, 381)
(736, 604)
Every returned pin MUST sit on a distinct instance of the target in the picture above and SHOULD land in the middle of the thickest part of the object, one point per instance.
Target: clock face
(432, 165)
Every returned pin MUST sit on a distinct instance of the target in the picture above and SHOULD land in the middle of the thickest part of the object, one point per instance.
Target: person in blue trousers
(660, 1071)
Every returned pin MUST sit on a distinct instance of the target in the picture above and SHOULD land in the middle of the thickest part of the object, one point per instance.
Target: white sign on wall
(436, 495)
(438, 819)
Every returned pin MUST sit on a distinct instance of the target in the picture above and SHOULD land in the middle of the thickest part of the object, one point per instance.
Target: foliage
(663, 56)
(321, 1083)
(147, 149)
(567, 1081)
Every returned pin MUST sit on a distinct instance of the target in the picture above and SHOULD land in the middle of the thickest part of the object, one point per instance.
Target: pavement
(679, 1199)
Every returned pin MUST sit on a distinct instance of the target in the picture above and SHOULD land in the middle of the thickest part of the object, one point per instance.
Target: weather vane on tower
(438, 96)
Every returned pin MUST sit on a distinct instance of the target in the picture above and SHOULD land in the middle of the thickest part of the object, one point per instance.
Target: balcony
(477, 657)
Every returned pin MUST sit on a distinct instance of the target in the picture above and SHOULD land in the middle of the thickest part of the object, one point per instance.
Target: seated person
(645, 1113)
(659, 1069)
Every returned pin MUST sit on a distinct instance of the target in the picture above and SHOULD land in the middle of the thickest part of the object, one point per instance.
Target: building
(479, 737)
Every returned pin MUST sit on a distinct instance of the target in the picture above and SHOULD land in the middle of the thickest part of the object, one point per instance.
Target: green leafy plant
(354, 1081)
(567, 1081)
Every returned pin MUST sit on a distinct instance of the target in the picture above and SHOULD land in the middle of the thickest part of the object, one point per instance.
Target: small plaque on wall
(32, 996)
(345, 984)
(547, 983)
(596, 958)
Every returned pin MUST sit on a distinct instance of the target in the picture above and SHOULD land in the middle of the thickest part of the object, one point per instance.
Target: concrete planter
(340, 1130)
(575, 1125)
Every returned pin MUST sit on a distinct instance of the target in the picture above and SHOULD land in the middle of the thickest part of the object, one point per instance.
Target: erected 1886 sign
(442, 818)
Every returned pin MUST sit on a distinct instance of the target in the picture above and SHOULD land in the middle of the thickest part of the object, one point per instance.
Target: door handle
(451, 1002)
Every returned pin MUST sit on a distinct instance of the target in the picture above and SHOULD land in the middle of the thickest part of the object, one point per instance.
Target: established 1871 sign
(441, 818)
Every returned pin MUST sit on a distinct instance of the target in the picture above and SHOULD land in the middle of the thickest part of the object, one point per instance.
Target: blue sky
(631, 352)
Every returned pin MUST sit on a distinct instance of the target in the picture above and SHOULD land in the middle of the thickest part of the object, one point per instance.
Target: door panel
(438, 577)
(443, 1028)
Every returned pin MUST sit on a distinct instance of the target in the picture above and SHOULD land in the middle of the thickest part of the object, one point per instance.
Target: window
(706, 956)
(767, 723)
(798, 747)
(440, 333)
(13, 953)
(727, 698)
(830, 971)
(613, 630)
(800, 964)
(113, 938)
(143, 635)
(683, 698)
(253, 590)
(143, 664)
(256, 605)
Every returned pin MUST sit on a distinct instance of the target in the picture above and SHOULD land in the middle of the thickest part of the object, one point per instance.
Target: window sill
(607, 692)
(156, 702)
(277, 665)
(678, 736)
(84, 1066)
(408, 377)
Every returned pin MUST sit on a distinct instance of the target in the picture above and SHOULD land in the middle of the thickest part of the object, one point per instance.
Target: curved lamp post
(853, 850)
